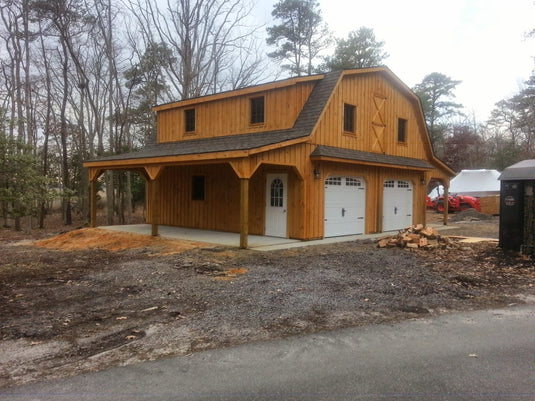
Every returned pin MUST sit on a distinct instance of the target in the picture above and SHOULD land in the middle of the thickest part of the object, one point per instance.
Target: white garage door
(345, 199)
(397, 204)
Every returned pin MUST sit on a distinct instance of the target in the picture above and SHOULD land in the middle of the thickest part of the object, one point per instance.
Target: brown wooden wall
(231, 116)
(374, 178)
(379, 101)
(379, 105)
(220, 210)
(306, 196)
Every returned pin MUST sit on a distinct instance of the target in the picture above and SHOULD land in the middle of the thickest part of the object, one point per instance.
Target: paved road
(485, 355)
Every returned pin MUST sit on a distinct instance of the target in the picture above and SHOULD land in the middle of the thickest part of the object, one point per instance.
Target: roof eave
(368, 163)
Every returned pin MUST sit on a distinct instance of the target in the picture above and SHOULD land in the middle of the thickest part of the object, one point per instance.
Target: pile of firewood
(416, 236)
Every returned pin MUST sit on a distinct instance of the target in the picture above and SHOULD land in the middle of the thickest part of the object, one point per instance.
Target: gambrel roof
(238, 145)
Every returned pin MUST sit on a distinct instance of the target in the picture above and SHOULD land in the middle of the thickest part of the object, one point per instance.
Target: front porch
(206, 236)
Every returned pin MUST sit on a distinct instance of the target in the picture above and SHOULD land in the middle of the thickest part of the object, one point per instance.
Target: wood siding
(231, 116)
(379, 104)
(220, 210)
(374, 178)
(380, 100)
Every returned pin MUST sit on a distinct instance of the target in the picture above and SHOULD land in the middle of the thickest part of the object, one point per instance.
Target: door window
(277, 193)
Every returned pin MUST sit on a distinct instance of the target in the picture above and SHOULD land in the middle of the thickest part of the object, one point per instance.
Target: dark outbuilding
(517, 207)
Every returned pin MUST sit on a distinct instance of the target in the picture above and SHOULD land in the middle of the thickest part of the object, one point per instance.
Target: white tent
(477, 183)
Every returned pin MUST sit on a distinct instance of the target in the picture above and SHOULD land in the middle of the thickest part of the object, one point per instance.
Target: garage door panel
(397, 204)
(344, 206)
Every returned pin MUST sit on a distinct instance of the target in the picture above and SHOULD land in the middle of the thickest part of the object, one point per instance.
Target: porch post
(244, 212)
(446, 204)
(93, 203)
(155, 209)
(94, 173)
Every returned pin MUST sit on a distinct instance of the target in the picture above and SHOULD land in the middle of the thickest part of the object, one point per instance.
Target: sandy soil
(88, 300)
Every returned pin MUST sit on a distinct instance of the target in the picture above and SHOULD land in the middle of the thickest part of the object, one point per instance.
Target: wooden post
(244, 212)
(446, 204)
(155, 212)
(93, 203)
(424, 184)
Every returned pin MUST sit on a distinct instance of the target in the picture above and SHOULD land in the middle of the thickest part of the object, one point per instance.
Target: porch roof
(335, 154)
(218, 144)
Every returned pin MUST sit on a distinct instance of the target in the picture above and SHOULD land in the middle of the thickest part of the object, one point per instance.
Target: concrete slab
(256, 242)
(207, 236)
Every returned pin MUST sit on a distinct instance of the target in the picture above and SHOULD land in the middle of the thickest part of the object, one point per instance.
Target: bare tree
(206, 37)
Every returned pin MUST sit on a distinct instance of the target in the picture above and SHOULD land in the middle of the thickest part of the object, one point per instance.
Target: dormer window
(189, 120)
(257, 110)
(349, 118)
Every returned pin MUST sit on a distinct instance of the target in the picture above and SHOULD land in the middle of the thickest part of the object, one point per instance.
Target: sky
(479, 42)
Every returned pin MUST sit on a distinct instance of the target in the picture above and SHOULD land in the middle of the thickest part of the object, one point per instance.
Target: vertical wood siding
(374, 178)
(379, 105)
(231, 116)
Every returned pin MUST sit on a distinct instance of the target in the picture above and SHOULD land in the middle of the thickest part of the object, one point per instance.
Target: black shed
(517, 207)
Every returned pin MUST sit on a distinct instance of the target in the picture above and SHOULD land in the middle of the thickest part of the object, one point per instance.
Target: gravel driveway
(67, 312)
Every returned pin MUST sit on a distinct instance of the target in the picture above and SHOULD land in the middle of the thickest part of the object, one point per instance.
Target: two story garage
(309, 157)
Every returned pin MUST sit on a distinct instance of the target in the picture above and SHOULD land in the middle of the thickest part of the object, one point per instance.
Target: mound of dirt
(97, 238)
(470, 215)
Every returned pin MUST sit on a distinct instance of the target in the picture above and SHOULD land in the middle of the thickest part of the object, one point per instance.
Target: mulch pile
(97, 238)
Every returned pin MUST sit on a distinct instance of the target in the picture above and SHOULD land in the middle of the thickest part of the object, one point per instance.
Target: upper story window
(257, 110)
(189, 120)
(349, 118)
(402, 130)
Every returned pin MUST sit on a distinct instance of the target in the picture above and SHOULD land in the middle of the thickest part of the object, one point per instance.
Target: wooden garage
(309, 157)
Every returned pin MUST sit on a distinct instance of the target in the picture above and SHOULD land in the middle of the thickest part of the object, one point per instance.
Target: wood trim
(153, 171)
(244, 212)
(94, 173)
(184, 159)
(169, 160)
(241, 168)
(446, 204)
(155, 203)
(278, 145)
(93, 202)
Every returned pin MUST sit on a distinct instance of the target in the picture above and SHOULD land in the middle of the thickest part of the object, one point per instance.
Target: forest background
(79, 78)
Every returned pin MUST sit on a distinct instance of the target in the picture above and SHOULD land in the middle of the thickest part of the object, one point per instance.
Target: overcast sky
(479, 42)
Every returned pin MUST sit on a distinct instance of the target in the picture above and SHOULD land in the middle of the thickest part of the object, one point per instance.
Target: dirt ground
(89, 300)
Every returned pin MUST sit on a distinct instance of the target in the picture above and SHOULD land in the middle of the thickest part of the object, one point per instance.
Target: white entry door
(345, 206)
(276, 204)
(397, 204)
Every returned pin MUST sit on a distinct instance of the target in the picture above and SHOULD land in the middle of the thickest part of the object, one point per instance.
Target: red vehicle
(456, 203)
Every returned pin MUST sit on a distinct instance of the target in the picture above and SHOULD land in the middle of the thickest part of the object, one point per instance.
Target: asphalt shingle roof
(369, 157)
(303, 127)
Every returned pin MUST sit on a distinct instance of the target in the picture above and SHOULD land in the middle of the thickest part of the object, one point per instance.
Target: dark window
(257, 110)
(197, 187)
(402, 130)
(189, 117)
(349, 118)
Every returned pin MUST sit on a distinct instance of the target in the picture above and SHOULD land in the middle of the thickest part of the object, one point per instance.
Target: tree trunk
(67, 212)
(128, 198)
